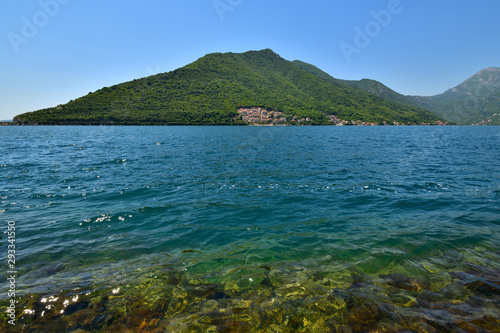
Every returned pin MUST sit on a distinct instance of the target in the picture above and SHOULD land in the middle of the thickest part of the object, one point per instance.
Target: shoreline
(250, 125)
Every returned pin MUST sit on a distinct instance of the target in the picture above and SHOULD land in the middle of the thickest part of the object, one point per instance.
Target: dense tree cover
(474, 101)
(209, 91)
(372, 87)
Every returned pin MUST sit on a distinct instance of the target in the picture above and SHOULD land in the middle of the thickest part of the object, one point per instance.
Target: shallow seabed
(431, 295)
(190, 229)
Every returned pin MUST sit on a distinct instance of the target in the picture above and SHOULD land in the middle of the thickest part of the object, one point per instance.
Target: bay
(267, 218)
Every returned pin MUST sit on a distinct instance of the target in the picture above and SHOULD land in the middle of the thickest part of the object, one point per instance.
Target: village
(263, 116)
(259, 116)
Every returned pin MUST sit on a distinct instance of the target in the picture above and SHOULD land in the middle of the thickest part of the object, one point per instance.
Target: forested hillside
(211, 89)
(475, 101)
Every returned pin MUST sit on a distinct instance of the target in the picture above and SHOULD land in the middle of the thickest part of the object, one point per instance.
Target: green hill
(371, 86)
(477, 100)
(211, 89)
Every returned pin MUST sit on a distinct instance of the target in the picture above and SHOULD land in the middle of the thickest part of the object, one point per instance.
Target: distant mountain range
(210, 90)
(475, 101)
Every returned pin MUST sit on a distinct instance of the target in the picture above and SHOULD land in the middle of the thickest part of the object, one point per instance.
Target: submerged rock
(431, 300)
(484, 287)
(403, 282)
(216, 295)
(403, 300)
(363, 317)
(284, 298)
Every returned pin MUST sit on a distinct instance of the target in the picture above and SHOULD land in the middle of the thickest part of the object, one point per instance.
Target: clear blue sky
(53, 51)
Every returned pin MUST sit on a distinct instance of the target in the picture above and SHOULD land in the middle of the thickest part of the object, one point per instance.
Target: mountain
(212, 89)
(477, 100)
(371, 86)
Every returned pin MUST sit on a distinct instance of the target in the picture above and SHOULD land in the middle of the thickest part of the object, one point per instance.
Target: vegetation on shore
(210, 90)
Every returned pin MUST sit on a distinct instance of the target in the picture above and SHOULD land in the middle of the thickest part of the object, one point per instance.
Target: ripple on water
(315, 229)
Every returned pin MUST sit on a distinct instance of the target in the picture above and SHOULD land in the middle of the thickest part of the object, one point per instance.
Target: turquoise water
(291, 214)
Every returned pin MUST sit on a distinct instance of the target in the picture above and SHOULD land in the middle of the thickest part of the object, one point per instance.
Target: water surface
(316, 228)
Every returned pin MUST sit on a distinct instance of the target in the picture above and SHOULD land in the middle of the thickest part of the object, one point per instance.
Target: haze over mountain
(211, 89)
(475, 101)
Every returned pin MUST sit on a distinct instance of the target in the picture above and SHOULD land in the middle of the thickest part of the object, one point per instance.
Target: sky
(53, 51)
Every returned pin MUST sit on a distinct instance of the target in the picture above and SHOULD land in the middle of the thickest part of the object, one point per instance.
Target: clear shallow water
(290, 214)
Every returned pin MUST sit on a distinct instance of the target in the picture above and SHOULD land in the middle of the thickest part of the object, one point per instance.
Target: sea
(250, 229)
